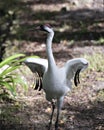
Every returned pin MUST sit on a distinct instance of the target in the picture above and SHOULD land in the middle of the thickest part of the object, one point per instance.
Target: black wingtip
(36, 84)
(40, 84)
(76, 78)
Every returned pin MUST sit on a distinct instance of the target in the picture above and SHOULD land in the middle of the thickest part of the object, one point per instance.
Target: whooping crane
(55, 81)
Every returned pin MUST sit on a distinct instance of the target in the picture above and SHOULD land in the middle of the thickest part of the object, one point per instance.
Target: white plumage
(55, 81)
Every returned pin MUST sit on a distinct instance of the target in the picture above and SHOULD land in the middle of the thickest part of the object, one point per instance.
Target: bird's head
(47, 28)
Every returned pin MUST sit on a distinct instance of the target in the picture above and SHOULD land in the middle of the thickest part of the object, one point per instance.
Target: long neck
(51, 61)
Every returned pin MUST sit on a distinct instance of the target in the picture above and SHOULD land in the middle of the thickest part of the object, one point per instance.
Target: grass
(100, 96)
(96, 62)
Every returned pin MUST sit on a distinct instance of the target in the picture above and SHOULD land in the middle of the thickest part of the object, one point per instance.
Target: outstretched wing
(39, 67)
(74, 67)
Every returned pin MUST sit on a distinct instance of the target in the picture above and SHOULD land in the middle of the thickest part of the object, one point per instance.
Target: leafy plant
(9, 79)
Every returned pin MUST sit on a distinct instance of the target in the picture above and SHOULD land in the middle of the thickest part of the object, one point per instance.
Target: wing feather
(74, 67)
(39, 67)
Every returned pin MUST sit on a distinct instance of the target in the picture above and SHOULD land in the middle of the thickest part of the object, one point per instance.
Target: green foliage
(100, 96)
(100, 41)
(10, 12)
(96, 61)
(9, 79)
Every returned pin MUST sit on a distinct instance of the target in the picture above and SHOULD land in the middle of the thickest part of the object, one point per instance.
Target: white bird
(55, 81)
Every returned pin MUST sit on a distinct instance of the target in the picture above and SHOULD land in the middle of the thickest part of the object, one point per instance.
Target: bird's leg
(53, 108)
(59, 106)
(57, 119)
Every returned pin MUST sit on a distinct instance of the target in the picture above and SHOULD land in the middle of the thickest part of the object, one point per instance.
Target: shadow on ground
(79, 117)
(78, 25)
